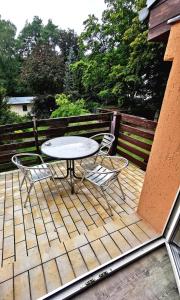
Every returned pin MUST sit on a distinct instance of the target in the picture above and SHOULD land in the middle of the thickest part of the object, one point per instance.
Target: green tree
(34, 33)
(119, 65)
(29, 37)
(6, 116)
(70, 77)
(43, 106)
(43, 70)
(68, 39)
(9, 64)
(44, 51)
(67, 107)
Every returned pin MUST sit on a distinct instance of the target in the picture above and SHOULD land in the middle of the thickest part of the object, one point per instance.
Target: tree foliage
(43, 70)
(7, 116)
(110, 63)
(119, 65)
(9, 64)
(67, 107)
(43, 106)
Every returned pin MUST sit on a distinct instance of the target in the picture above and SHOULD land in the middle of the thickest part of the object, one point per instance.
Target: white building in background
(20, 105)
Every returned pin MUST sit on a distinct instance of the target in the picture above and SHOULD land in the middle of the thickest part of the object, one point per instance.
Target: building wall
(18, 108)
(163, 171)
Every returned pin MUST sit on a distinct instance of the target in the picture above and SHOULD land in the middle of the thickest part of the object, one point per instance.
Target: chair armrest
(113, 170)
(96, 135)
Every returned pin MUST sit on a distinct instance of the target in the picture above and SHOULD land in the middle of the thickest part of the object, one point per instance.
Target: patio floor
(60, 236)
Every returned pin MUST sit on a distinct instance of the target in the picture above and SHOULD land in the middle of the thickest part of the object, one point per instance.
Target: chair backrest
(111, 164)
(107, 140)
(32, 173)
(16, 160)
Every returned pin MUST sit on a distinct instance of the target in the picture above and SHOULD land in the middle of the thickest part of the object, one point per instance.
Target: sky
(64, 13)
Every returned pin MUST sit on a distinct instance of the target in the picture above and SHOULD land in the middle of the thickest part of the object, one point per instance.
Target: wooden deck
(60, 236)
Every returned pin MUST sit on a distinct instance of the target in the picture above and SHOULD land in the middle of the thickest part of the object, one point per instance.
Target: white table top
(70, 147)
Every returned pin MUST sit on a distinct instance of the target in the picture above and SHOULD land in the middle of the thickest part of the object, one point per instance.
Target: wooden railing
(28, 137)
(134, 135)
(135, 138)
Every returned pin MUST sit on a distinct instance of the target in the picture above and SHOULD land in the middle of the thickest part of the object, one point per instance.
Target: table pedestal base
(70, 173)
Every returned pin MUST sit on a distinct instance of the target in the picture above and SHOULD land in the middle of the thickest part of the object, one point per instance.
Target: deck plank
(60, 236)
(51, 275)
(37, 282)
(21, 287)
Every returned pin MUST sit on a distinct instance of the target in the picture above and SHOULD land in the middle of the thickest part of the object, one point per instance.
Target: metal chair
(107, 140)
(103, 176)
(33, 174)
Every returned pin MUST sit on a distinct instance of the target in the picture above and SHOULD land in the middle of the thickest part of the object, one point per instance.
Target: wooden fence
(134, 138)
(134, 135)
(28, 137)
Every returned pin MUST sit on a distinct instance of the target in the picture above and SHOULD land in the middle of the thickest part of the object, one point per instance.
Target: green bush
(67, 108)
(7, 116)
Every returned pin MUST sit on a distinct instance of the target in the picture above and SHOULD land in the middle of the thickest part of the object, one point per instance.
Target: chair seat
(99, 179)
(39, 174)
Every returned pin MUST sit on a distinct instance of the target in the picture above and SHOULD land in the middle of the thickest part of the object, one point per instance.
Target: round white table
(70, 148)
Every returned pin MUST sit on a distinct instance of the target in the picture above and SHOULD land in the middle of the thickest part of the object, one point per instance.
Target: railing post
(115, 128)
(35, 134)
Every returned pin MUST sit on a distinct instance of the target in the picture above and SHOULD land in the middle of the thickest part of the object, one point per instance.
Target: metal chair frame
(106, 143)
(33, 174)
(104, 177)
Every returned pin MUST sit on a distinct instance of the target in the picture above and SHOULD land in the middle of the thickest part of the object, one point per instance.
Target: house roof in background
(144, 13)
(20, 100)
(149, 3)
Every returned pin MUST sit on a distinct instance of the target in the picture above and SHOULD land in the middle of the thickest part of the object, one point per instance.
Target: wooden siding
(160, 13)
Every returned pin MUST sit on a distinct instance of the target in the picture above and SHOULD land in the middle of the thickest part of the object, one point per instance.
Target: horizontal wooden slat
(159, 33)
(51, 132)
(15, 146)
(137, 162)
(87, 126)
(7, 157)
(58, 122)
(133, 150)
(16, 136)
(148, 124)
(135, 142)
(14, 127)
(77, 128)
(143, 133)
(89, 134)
(157, 3)
(93, 117)
(75, 119)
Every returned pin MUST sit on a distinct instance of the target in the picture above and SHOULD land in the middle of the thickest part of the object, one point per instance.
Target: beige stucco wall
(18, 108)
(163, 171)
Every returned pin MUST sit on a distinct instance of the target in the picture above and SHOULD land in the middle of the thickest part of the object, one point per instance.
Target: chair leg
(22, 182)
(31, 185)
(80, 184)
(121, 189)
(109, 207)
(54, 181)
